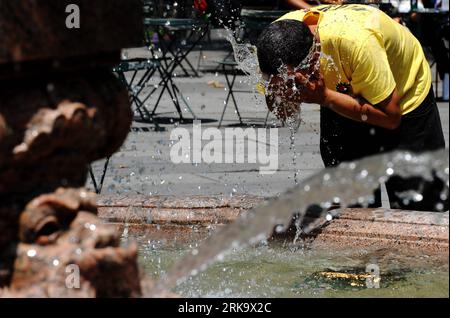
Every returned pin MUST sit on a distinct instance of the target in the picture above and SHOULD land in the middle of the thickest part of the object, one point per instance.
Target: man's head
(289, 65)
(285, 42)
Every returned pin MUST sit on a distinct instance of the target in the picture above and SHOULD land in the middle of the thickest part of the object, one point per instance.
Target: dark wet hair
(283, 42)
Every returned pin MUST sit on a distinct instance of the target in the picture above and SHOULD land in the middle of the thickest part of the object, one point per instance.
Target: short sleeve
(371, 76)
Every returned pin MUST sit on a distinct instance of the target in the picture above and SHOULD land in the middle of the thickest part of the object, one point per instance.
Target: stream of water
(350, 183)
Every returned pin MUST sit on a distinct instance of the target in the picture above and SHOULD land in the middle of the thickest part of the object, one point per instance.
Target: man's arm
(386, 114)
(371, 79)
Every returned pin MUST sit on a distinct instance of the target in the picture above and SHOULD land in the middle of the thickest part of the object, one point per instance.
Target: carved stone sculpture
(60, 109)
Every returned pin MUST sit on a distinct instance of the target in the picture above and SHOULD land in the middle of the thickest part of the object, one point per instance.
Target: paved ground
(143, 165)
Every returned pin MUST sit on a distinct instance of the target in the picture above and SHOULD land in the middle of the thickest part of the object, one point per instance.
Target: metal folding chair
(136, 82)
(135, 75)
(174, 57)
(177, 49)
(231, 65)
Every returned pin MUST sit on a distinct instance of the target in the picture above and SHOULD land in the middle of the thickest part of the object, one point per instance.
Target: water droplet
(50, 87)
(31, 253)
(418, 197)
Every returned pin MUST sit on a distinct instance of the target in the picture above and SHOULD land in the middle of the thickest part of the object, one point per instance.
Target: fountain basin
(409, 249)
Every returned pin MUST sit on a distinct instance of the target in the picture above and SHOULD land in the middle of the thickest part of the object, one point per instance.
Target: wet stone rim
(365, 227)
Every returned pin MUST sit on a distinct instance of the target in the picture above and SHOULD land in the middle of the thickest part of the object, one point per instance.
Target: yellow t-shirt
(369, 51)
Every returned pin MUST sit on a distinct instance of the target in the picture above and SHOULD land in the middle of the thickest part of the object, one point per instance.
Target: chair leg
(231, 93)
(228, 96)
(224, 110)
(143, 110)
(164, 83)
(94, 182)
(175, 100)
(98, 186)
(134, 95)
(177, 91)
(105, 169)
(235, 103)
(200, 56)
(267, 118)
(191, 67)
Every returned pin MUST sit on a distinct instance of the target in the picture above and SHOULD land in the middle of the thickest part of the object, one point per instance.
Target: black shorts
(343, 139)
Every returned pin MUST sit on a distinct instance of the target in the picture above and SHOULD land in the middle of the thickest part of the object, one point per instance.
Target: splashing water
(350, 182)
(246, 59)
(294, 156)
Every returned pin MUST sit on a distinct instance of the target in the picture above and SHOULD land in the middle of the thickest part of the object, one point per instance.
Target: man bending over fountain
(371, 78)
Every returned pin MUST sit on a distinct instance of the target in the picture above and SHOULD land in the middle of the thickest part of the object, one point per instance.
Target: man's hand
(312, 90)
(283, 111)
(285, 94)
(283, 98)
(284, 88)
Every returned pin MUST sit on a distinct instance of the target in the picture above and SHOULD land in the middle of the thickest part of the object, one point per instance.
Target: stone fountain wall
(60, 109)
